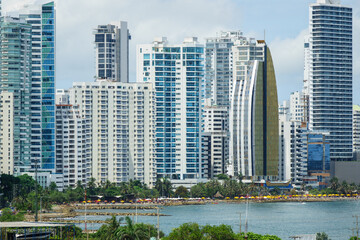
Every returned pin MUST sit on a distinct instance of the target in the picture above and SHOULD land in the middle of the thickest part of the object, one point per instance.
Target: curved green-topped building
(254, 135)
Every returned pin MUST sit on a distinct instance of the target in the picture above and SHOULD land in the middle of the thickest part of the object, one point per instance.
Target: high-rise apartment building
(176, 71)
(112, 52)
(15, 90)
(42, 21)
(73, 151)
(292, 161)
(330, 75)
(254, 146)
(219, 67)
(215, 141)
(120, 116)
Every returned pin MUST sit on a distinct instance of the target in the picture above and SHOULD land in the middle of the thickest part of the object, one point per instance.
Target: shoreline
(69, 211)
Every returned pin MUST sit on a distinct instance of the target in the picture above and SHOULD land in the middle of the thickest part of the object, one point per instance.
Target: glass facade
(177, 73)
(318, 153)
(48, 86)
(331, 76)
(43, 85)
(15, 57)
(266, 124)
(254, 146)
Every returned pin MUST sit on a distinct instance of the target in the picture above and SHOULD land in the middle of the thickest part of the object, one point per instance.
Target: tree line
(19, 191)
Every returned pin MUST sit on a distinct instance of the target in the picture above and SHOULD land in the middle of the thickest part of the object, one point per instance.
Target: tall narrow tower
(176, 72)
(15, 88)
(43, 35)
(331, 75)
(112, 52)
(254, 149)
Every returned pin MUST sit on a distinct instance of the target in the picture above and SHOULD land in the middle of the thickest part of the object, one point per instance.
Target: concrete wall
(348, 171)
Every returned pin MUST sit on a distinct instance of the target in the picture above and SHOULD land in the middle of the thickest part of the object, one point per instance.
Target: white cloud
(174, 19)
(288, 53)
(288, 56)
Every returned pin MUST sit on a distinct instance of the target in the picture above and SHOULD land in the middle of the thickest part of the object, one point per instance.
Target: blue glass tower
(177, 72)
(318, 152)
(42, 21)
(330, 75)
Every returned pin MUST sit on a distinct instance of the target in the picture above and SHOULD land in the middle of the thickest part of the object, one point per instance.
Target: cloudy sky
(284, 21)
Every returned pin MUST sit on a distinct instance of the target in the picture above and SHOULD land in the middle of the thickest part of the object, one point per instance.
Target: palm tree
(108, 230)
(334, 184)
(164, 186)
(131, 231)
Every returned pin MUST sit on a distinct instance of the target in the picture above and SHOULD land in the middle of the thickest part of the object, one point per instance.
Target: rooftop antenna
(264, 35)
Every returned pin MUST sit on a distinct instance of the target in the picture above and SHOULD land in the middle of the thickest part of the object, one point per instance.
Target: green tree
(164, 186)
(334, 184)
(221, 232)
(212, 187)
(107, 231)
(131, 231)
(7, 186)
(222, 177)
(7, 215)
(198, 190)
(188, 231)
(322, 236)
(254, 236)
(91, 187)
(182, 192)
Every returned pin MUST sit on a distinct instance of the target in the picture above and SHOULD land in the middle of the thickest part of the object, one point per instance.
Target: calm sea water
(282, 219)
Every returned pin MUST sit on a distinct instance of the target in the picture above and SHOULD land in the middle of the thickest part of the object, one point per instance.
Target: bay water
(283, 219)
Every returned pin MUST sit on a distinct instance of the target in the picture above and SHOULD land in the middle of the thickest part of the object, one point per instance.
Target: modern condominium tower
(254, 145)
(219, 71)
(120, 116)
(73, 149)
(15, 88)
(330, 75)
(176, 71)
(42, 21)
(112, 52)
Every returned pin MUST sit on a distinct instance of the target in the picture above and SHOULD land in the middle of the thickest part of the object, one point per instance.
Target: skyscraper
(42, 21)
(73, 148)
(176, 71)
(215, 135)
(219, 71)
(330, 75)
(15, 87)
(254, 146)
(120, 116)
(112, 52)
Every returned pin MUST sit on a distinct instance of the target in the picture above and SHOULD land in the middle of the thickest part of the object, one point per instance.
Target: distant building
(15, 91)
(43, 41)
(291, 160)
(73, 149)
(253, 112)
(318, 159)
(330, 63)
(121, 118)
(176, 72)
(215, 153)
(219, 67)
(112, 52)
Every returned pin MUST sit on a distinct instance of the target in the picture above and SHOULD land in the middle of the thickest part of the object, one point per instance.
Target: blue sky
(285, 23)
